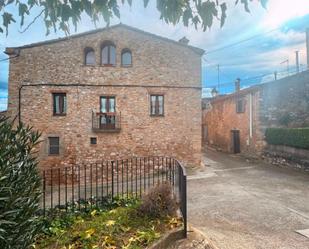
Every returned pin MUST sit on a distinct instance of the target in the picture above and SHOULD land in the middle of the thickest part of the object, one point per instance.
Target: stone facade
(285, 102)
(160, 66)
(220, 119)
(281, 103)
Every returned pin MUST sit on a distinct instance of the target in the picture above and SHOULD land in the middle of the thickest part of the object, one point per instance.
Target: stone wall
(159, 67)
(285, 102)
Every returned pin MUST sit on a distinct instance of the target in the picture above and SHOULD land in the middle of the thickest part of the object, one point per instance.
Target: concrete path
(243, 205)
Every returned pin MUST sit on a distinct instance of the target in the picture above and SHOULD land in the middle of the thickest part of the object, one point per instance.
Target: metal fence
(91, 183)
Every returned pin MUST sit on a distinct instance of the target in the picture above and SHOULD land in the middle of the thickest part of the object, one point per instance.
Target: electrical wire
(239, 42)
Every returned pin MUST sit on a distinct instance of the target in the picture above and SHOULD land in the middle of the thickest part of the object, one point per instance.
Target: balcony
(106, 122)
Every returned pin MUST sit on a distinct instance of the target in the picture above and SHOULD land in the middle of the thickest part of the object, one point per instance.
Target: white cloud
(281, 11)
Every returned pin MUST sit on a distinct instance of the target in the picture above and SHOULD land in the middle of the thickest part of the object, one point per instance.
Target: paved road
(243, 205)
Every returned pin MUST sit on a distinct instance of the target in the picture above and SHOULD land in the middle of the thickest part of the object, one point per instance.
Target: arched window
(108, 54)
(126, 57)
(89, 56)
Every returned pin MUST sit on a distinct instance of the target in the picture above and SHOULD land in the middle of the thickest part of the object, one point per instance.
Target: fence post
(112, 180)
(44, 191)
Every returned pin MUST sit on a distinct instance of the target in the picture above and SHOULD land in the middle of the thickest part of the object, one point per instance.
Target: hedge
(293, 137)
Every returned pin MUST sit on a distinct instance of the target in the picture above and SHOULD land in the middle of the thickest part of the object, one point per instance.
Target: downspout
(250, 117)
(19, 104)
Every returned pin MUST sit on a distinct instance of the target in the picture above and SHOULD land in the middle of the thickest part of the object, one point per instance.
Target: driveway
(242, 205)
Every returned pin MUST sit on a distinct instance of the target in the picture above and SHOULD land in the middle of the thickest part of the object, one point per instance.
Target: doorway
(108, 112)
(235, 141)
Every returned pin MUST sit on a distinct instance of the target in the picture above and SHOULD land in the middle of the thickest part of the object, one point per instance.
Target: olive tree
(59, 14)
(19, 185)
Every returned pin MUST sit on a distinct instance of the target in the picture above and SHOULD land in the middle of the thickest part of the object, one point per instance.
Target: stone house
(111, 93)
(237, 122)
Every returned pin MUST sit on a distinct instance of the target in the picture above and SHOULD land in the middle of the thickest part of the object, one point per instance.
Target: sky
(250, 46)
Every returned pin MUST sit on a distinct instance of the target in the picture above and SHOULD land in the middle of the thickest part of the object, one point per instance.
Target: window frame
(108, 97)
(123, 51)
(53, 146)
(93, 139)
(64, 96)
(108, 44)
(109, 124)
(243, 108)
(157, 108)
(86, 51)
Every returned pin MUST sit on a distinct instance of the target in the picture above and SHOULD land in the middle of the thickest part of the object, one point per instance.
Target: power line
(241, 41)
(5, 59)
(254, 78)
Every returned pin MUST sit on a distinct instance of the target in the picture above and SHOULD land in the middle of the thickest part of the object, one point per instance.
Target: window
(59, 104)
(53, 146)
(156, 105)
(89, 56)
(108, 54)
(126, 57)
(108, 112)
(93, 140)
(240, 105)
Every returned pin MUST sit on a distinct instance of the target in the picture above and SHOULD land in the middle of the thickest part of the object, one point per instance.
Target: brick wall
(159, 67)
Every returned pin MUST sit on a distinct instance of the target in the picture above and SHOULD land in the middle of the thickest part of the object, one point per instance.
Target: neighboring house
(237, 122)
(108, 94)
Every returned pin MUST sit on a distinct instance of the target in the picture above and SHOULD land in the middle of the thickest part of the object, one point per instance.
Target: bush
(159, 202)
(19, 186)
(294, 137)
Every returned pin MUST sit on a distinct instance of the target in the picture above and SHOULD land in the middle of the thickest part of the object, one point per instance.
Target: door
(235, 141)
(107, 112)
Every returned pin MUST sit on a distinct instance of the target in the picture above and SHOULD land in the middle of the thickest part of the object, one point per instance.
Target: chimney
(184, 40)
(214, 92)
(307, 43)
(237, 85)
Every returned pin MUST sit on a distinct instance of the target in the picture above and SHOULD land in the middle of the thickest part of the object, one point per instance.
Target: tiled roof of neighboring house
(237, 94)
(3, 113)
(195, 49)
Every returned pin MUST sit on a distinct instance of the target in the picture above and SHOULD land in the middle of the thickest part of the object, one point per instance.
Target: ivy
(59, 14)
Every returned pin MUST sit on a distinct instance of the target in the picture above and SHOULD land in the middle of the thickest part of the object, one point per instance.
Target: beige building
(110, 93)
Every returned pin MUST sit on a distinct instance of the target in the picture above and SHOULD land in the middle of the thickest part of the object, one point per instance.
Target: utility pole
(307, 45)
(218, 68)
(297, 61)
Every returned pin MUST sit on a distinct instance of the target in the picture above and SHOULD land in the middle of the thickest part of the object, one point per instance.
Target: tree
(19, 186)
(59, 14)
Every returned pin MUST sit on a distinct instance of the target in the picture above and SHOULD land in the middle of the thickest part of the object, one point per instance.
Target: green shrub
(159, 202)
(19, 186)
(293, 137)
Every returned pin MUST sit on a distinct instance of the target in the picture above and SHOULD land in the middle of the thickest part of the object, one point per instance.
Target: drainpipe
(250, 116)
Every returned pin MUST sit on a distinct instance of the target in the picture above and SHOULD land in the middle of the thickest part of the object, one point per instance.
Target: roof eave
(199, 51)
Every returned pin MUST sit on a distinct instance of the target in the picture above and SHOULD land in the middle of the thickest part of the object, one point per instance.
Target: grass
(121, 227)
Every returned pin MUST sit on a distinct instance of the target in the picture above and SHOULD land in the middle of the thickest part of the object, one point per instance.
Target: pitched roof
(195, 49)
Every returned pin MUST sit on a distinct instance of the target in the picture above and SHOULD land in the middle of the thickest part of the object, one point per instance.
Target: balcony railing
(106, 122)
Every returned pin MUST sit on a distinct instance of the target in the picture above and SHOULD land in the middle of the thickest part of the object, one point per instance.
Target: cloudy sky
(250, 46)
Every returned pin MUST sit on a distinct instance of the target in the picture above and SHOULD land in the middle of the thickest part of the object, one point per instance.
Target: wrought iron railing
(110, 179)
(106, 122)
